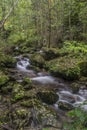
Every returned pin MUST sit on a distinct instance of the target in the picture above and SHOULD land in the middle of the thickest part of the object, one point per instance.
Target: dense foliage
(47, 22)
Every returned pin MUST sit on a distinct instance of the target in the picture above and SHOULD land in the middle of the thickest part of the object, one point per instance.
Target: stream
(44, 79)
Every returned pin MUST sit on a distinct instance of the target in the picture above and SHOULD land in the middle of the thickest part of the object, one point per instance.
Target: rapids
(45, 79)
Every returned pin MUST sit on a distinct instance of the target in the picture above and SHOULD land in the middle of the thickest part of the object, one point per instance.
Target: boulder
(66, 106)
(48, 97)
(83, 68)
(75, 87)
(34, 111)
(50, 53)
(37, 60)
(7, 61)
(65, 67)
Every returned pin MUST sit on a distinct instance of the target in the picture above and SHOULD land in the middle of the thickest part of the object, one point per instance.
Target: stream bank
(30, 94)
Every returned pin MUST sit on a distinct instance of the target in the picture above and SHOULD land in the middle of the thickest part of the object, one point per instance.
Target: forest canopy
(47, 22)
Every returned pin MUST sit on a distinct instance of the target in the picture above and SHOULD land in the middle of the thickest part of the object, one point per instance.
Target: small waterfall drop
(23, 63)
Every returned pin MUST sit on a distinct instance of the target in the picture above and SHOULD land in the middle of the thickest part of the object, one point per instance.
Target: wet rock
(41, 113)
(75, 87)
(66, 106)
(48, 97)
(69, 97)
(84, 107)
(42, 74)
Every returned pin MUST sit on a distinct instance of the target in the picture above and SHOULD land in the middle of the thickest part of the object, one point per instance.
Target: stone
(37, 60)
(83, 67)
(75, 87)
(7, 61)
(66, 106)
(48, 97)
(64, 67)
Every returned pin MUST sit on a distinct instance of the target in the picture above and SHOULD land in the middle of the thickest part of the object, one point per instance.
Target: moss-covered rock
(30, 94)
(48, 97)
(75, 87)
(83, 80)
(50, 53)
(37, 60)
(7, 61)
(31, 103)
(65, 67)
(34, 111)
(18, 96)
(17, 92)
(24, 49)
(6, 89)
(3, 78)
(65, 105)
(27, 83)
(21, 113)
(83, 68)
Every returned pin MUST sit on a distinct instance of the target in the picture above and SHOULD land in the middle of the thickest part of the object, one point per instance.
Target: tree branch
(7, 16)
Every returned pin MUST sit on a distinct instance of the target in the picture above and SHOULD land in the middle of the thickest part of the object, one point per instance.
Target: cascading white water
(43, 78)
(76, 100)
(22, 64)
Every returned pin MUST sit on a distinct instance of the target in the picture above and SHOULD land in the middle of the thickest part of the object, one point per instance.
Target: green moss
(17, 93)
(65, 106)
(75, 87)
(21, 113)
(71, 62)
(83, 80)
(65, 67)
(50, 53)
(27, 83)
(3, 78)
(30, 94)
(83, 68)
(6, 89)
(31, 103)
(48, 97)
(7, 61)
(24, 49)
(37, 60)
(19, 96)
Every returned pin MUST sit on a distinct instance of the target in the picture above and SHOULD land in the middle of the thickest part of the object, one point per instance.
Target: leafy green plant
(78, 120)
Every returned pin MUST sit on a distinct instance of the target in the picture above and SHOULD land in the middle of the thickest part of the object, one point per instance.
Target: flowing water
(44, 79)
